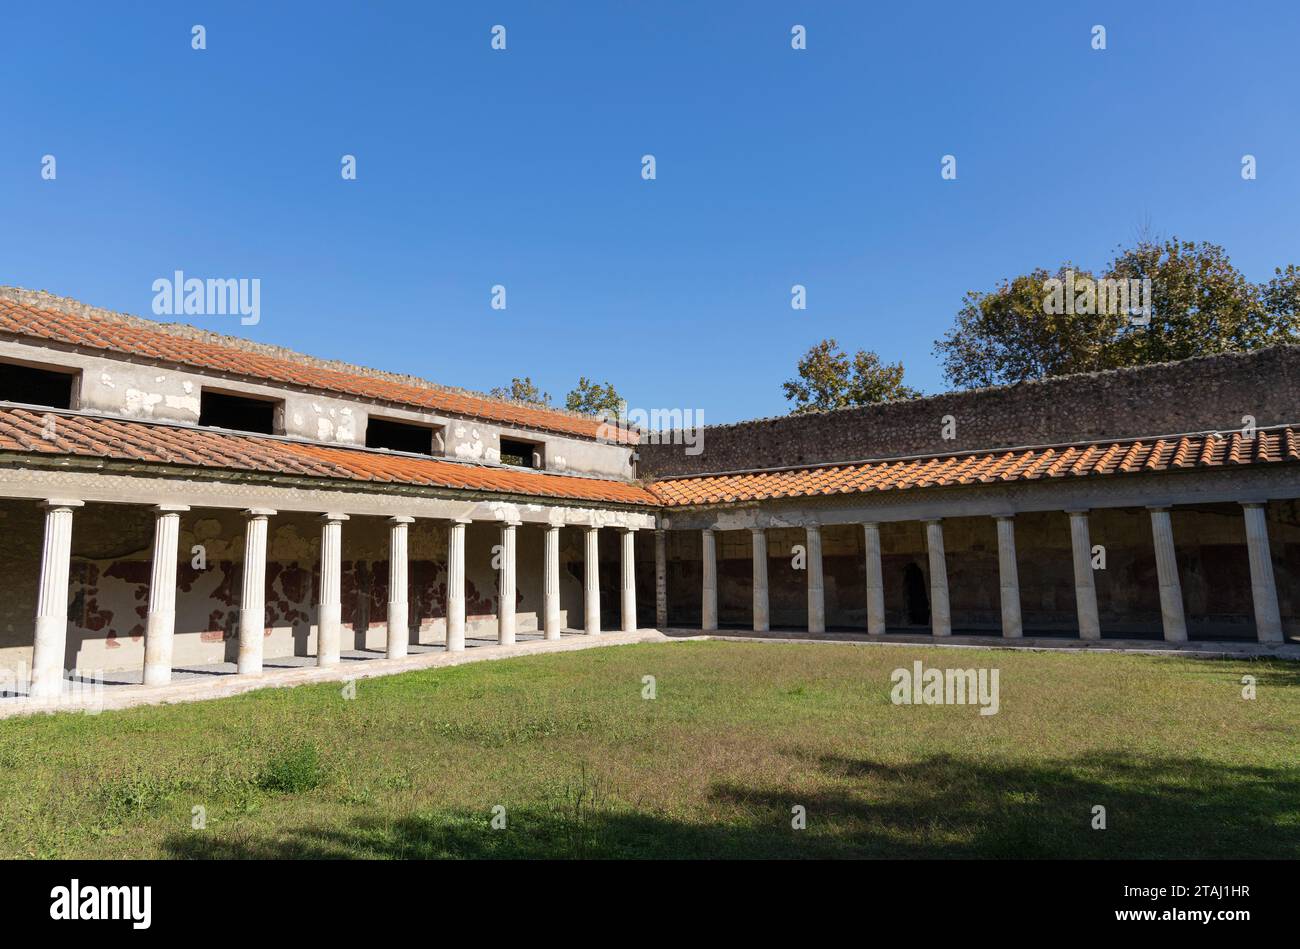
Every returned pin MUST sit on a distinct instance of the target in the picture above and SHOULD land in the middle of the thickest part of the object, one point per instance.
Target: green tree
(522, 390)
(830, 379)
(1199, 304)
(1007, 335)
(593, 398)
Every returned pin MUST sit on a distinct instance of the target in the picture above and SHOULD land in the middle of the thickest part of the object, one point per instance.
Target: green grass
(738, 735)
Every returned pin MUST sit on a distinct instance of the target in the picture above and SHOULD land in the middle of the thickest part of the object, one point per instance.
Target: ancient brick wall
(1201, 394)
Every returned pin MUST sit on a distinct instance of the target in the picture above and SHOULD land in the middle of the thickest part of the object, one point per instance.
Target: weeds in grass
(583, 810)
(133, 796)
(293, 770)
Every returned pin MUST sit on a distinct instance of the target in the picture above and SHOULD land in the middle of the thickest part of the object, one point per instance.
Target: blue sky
(522, 168)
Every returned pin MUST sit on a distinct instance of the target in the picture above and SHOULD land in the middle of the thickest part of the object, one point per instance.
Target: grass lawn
(737, 736)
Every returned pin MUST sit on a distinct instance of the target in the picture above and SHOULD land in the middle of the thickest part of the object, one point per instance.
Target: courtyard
(579, 754)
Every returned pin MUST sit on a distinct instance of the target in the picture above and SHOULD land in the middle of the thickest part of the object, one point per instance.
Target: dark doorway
(916, 599)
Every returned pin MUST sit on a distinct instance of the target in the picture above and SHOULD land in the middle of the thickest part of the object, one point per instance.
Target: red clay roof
(22, 430)
(25, 430)
(122, 336)
(1129, 456)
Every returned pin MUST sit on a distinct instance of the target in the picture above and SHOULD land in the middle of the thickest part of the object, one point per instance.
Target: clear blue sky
(522, 168)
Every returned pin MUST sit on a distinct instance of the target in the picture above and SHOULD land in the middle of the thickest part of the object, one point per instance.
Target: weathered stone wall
(1212, 564)
(1201, 394)
(110, 572)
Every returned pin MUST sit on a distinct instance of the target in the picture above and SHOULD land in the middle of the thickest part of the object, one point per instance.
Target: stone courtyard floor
(199, 682)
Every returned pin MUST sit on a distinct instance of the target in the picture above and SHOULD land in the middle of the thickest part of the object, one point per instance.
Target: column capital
(401, 519)
(334, 517)
(758, 530)
(170, 508)
(590, 528)
(256, 512)
(1077, 512)
(1156, 508)
(1004, 517)
(56, 503)
(932, 520)
(629, 530)
(461, 520)
(1253, 503)
(871, 525)
(512, 523)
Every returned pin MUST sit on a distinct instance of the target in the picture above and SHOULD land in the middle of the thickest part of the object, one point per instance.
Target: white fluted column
(52, 601)
(456, 586)
(875, 580)
(399, 608)
(329, 626)
(709, 571)
(551, 584)
(661, 579)
(1263, 587)
(252, 599)
(816, 584)
(591, 588)
(762, 620)
(1172, 618)
(628, 586)
(1009, 577)
(507, 597)
(1085, 585)
(940, 610)
(160, 624)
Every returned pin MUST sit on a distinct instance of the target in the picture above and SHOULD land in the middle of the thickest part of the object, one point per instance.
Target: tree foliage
(1199, 304)
(830, 379)
(593, 398)
(522, 390)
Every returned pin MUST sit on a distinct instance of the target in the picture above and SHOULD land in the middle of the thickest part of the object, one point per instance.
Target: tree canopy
(522, 390)
(593, 398)
(828, 378)
(1199, 303)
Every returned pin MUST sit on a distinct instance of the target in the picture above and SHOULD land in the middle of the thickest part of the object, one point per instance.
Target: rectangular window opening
(35, 386)
(237, 412)
(521, 454)
(399, 436)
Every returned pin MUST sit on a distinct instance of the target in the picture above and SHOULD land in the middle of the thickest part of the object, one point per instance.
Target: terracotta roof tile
(125, 337)
(23, 430)
(1026, 464)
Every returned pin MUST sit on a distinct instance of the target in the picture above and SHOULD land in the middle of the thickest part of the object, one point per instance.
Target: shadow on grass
(938, 807)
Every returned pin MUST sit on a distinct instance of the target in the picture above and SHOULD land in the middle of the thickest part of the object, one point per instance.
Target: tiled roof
(23, 430)
(1100, 459)
(123, 336)
(60, 434)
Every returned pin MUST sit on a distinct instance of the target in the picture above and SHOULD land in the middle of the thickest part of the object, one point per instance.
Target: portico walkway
(198, 683)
